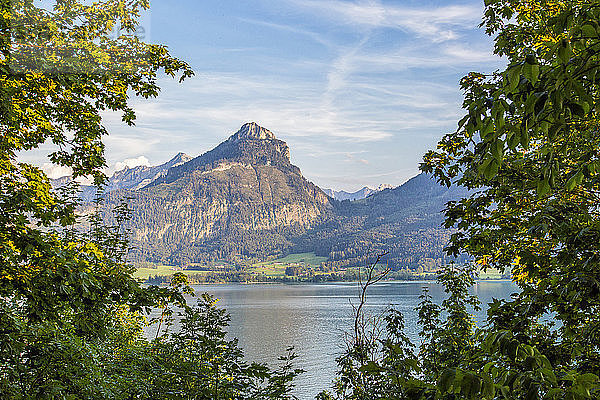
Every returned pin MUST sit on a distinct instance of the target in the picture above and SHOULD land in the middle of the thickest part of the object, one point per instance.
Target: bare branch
(370, 280)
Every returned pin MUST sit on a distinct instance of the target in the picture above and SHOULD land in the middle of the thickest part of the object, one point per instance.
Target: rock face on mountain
(243, 197)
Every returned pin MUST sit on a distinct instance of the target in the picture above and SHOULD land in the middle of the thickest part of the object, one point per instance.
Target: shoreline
(323, 283)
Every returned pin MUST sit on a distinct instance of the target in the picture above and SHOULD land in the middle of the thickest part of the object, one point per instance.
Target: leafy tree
(528, 152)
(59, 70)
(382, 362)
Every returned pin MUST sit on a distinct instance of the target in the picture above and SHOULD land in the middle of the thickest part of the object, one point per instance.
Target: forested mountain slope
(405, 221)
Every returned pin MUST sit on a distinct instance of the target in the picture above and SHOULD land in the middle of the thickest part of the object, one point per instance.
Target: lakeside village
(294, 268)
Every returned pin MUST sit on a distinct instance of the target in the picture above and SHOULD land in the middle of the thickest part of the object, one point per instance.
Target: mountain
(243, 198)
(405, 221)
(365, 192)
(138, 177)
(250, 145)
(128, 178)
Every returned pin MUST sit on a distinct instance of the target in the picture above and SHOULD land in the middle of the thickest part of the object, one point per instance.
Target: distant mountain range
(141, 176)
(363, 193)
(135, 178)
(244, 200)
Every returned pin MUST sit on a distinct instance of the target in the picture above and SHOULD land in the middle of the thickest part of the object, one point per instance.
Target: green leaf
(549, 375)
(565, 50)
(446, 379)
(514, 77)
(589, 30)
(491, 169)
(488, 127)
(513, 140)
(371, 366)
(531, 72)
(488, 389)
(574, 181)
(543, 187)
(498, 150)
(530, 102)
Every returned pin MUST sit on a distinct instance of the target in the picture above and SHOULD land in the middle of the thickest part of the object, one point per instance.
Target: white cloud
(85, 180)
(226, 100)
(414, 57)
(292, 29)
(54, 171)
(460, 54)
(357, 108)
(131, 163)
(437, 24)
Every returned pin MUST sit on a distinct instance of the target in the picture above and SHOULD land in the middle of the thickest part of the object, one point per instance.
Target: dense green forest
(525, 155)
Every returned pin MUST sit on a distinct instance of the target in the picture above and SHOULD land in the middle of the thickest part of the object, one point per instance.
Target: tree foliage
(195, 360)
(528, 149)
(59, 70)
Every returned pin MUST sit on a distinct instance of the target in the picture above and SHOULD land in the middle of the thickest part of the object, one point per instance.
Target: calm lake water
(313, 318)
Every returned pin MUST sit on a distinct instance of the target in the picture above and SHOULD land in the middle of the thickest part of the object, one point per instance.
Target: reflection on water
(269, 318)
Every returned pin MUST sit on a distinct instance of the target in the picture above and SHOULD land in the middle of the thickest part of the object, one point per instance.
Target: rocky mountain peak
(180, 158)
(252, 130)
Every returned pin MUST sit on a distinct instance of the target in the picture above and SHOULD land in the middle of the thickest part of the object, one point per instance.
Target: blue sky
(358, 89)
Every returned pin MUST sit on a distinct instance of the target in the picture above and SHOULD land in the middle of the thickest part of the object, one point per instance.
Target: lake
(268, 318)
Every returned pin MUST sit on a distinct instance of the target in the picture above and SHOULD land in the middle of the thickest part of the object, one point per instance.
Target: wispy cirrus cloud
(435, 23)
(316, 37)
(219, 102)
(409, 57)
